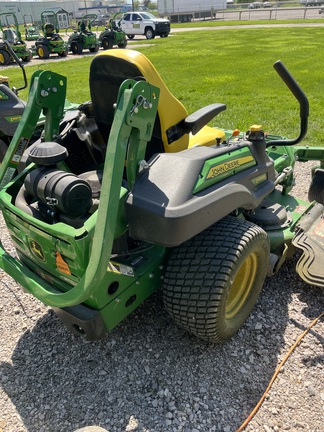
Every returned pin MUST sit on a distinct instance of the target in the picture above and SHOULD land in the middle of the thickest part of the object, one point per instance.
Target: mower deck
(310, 239)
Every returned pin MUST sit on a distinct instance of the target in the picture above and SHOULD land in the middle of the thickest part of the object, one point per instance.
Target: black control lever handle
(294, 87)
(19, 63)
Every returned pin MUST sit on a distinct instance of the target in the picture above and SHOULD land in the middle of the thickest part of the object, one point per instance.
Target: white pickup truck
(144, 23)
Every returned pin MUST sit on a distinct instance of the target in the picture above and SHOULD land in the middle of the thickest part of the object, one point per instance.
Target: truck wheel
(213, 281)
(149, 33)
(4, 57)
(130, 36)
(3, 147)
(43, 52)
(107, 43)
(316, 188)
(76, 48)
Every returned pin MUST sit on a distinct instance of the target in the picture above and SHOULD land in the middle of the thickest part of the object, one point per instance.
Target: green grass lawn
(234, 67)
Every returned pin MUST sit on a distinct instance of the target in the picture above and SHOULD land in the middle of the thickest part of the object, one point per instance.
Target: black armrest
(197, 120)
(194, 122)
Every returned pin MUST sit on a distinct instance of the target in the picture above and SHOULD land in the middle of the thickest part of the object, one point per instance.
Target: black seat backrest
(9, 35)
(108, 71)
(106, 76)
(49, 29)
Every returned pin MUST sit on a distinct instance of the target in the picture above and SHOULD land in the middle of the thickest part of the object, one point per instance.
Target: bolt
(143, 165)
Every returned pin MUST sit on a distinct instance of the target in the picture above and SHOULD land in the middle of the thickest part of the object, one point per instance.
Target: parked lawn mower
(31, 30)
(51, 42)
(112, 35)
(9, 29)
(12, 108)
(135, 195)
(83, 38)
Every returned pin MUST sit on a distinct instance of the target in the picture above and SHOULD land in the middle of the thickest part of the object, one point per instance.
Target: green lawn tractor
(51, 42)
(83, 38)
(31, 30)
(12, 108)
(9, 29)
(133, 195)
(112, 36)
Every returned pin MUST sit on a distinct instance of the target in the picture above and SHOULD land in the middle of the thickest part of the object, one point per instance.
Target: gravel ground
(149, 375)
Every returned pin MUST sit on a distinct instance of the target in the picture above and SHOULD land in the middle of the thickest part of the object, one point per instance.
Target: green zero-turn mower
(31, 30)
(112, 35)
(9, 29)
(51, 42)
(83, 38)
(132, 194)
(12, 107)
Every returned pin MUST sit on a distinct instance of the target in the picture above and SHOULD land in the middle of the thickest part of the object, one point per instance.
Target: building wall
(35, 8)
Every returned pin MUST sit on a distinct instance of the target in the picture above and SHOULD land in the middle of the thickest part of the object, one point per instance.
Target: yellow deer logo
(37, 250)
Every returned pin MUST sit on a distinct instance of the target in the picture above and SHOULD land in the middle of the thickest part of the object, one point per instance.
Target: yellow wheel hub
(1, 58)
(241, 286)
(41, 52)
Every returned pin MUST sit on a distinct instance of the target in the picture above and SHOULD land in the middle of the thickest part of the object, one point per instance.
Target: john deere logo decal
(37, 250)
(225, 167)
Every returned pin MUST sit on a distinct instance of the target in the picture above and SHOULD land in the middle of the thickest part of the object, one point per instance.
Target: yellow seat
(110, 68)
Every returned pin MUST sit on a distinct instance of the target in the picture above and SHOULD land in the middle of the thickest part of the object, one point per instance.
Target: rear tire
(27, 58)
(130, 36)
(316, 188)
(43, 52)
(95, 48)
(107, 43)
(63, 53)
(213, 281)
(122, 44)
(76, 48)
(4, 58)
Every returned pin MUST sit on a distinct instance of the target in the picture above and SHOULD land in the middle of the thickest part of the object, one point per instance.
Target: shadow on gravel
(313, 299)
(149, 375)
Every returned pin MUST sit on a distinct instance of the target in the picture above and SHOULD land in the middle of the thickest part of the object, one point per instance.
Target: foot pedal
(310, 238)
